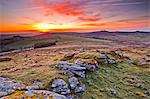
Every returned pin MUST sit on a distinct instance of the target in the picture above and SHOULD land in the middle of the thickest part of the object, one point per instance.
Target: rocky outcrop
(61, 87)
(75, 69)
(89, 64)
(8, 87)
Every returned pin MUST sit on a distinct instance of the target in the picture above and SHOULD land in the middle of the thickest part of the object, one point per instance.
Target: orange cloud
(88, 19)
(63, 7)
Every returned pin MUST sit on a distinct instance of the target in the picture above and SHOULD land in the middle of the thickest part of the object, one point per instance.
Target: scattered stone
(110, 61)
(38, 83)
(113, 92)
(80, 89)
(100, 57)
(60, 86)
(72, 97)
(89, 64)
(141, 62)
(81, 50)
(147, 93)
(5, 59)
(73, 82)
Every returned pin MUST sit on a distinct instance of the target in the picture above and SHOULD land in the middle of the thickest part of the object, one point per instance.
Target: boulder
(73, 82)
(75, 69)
(60, 86)
(80, 89)
(89, 64)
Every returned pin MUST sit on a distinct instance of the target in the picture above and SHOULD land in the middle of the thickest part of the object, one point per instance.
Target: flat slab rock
(45, 93)
(35, 94)
(7, 86)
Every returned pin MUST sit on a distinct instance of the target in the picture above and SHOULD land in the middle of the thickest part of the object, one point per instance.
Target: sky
(74, 15)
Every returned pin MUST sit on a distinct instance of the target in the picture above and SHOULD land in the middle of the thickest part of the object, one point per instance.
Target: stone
(29, 93)
(7, 86)
(141, 62)
(48, 94)
(113, 92)
(72, 97)
(89, 64)
(147, 93)
(100, 57)
(60, 86)
(79, 73)
(73, 82)
(69, 56)
(110, 61)
(81, 50)
(34, 87)
(38, 83)
(80, 89)
(75, 69)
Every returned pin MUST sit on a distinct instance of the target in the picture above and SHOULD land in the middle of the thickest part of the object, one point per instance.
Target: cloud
(88, 19)
(63, 7)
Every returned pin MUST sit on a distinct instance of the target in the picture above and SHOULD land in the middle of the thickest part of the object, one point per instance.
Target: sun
(44, 27)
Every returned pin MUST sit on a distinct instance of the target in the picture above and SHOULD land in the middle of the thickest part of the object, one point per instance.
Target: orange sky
(73, 15)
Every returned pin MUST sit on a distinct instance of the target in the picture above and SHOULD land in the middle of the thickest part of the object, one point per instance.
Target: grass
(119, 78)
(128, 80)
(60, 38)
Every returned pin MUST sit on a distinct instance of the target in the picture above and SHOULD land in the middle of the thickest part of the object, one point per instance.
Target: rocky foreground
(90, 74)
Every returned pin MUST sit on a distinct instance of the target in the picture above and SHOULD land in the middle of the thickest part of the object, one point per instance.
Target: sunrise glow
(44, 27)
(49, 15)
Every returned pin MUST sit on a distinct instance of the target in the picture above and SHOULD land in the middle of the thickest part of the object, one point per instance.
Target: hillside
(112, 69)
